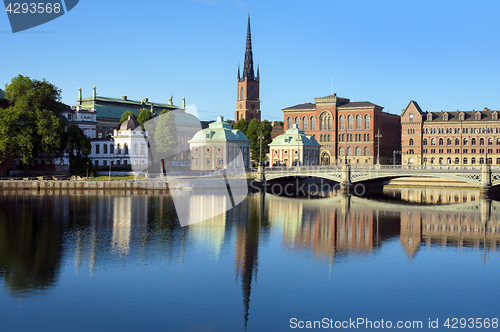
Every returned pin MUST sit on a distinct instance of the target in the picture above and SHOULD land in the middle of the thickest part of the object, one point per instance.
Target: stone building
(340, 125)
(450, 137)
(248, 101)
(294, 148)
(217, 146)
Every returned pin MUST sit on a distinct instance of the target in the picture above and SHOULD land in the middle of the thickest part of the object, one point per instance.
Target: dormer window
(494, 115)
(478, 116)
(445, 117)
(286, 139)
(411, 116)
(207, 136)
(429, 117)
(461, 116)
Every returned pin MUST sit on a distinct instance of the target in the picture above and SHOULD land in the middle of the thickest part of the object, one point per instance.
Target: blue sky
(443, 54)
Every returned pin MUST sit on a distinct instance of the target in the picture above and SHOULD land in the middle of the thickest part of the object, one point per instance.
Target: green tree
(252, 134)
(165, 136)
(144, 116)
(125, 117)
(278, 123)
(78, 148)
(163, 111)
(242, 125)
(265, 128)
(32, 124)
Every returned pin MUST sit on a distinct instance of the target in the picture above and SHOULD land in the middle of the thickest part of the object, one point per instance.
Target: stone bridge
(483, 176)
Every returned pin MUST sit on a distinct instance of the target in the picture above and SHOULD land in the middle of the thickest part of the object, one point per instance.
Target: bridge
(484, 177)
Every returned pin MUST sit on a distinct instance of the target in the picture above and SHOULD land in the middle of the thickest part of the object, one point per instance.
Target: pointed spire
(248, 66)
(239, 72)
(258, 71)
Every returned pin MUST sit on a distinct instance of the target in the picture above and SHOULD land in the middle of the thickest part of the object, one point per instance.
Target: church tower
(247, 101)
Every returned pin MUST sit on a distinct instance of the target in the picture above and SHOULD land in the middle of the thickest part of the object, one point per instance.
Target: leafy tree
(278, 123)
(125, 117)
(266, 128)
(163, 111)
(230, 122)
(78, 148)
(242, 125)
(252, 134)
(144, 116)
(165, 136)
(32, 124)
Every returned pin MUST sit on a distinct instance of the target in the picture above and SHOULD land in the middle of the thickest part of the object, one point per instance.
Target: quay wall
(81, 185)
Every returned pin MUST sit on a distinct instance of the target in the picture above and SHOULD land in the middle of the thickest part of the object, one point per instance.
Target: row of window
(119, 148)
(449, 141)
(461, 117)
(458, 150)
(471, 130)
(358, 151)
(357, 137)
(465, 161)
(325, 122)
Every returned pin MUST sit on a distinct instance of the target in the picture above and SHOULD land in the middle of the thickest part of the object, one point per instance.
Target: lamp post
(378, 146)
(345, 145)
(261, 138)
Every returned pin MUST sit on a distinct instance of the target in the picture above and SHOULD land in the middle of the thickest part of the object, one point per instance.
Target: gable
(412, 112)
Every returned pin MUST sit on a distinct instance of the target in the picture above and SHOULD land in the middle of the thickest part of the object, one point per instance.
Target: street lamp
(345, 144)
(378, 146)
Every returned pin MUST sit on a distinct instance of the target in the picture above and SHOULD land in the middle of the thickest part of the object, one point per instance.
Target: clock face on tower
(252, 106)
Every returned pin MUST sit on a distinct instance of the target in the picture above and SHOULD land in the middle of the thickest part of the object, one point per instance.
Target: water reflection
(37, 230)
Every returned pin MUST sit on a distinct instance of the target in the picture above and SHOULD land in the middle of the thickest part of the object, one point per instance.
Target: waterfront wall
(81, 185)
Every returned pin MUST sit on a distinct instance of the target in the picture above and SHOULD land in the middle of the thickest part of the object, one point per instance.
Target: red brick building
(450, 137)
(340, 125)
(248, 101)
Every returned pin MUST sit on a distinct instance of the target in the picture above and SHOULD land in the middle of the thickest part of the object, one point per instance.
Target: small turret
(94, 93)
(183, 102)
(79, 96)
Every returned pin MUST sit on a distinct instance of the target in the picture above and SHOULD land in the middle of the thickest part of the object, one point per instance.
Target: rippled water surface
(83, 261)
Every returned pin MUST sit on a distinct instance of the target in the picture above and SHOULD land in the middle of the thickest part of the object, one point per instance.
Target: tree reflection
(30, 244)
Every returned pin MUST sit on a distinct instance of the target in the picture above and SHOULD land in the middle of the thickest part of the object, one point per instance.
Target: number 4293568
(33, 8)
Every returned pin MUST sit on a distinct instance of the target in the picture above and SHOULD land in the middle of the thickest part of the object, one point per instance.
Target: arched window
(411, 115)
(111, 148)
(125, 148)
(321, 138)
(367, 121)
(367, 151)
(358, 150)
(448, 161)
(341, 151)
(481, 160)
(411, 141)
(433, 141)
(349, 151)
(325, 121)
(462, 119)
(349, 122)
(304, 123)
(473, 141)
(490, 141)
(424, 141)
(432, 160)
(440, 161)
(498, 141)
(457, 161)
(329, 123)
(329, 138)
(341, 122)
(465, 161)
(441, 141)
(358, 121)
(241, 93)
(498, 161)
(252, 93)
(297, 121)
(473, 160)
(465, 141)
(118, 149)
(313, 123)
(289, 122)
(481, 141)
(448, 141)
(457, 141)
(105, 149)
(134, 148)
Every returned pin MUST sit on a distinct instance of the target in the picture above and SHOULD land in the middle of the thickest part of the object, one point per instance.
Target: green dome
(219, 131)
(295, 137)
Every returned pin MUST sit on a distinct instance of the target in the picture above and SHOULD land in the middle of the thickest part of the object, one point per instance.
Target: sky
(442, 54)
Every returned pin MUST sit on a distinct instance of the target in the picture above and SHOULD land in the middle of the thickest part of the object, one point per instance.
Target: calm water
(90, 262)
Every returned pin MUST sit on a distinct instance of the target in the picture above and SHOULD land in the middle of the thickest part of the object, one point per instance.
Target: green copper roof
(115, 107)
(2, 94)
(219, 131)
(295, 137)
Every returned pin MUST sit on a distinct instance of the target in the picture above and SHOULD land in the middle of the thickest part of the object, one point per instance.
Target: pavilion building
(294, 148)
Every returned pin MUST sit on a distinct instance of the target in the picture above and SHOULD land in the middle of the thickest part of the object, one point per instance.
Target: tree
(125, 117)
(32, 124)
(278, 123)
(78, 148)
(266, 128)
(163, 111)
(253, 132)
(242, 125)
(165, 136)
(144, 116)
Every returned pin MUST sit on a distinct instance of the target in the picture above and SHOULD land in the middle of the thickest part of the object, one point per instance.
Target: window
(462, 119)
(465, 141)
(358, 122)
(411, 141)
(448, 161)
(313, 123)
(341, 149)
(111, 148)
(325, 121)
(125, 162)
(473, 141)
(207, 136)
(448, 141)
(118, 149)
(349, 151)
(457, 161)
(465, 161)
(367, 151)
(341, 122)
(241, 94)
(252, 93)
(433, 141)
(481, 142)
(441, 141)
(304, 122)
(424, 142)
(481, 160)
(297, 121)
(99, 135)
(134, 148)
(457, 141)
(473, 160)
(367, 121)
(97, 149)
(411, 115)
(358, 150)
(349, 122)
(289, 122)
(125, 148)
(490, 141)
(105, 149)
(105, 163)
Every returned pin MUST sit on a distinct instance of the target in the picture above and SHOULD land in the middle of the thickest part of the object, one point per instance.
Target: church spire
(248, 66)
